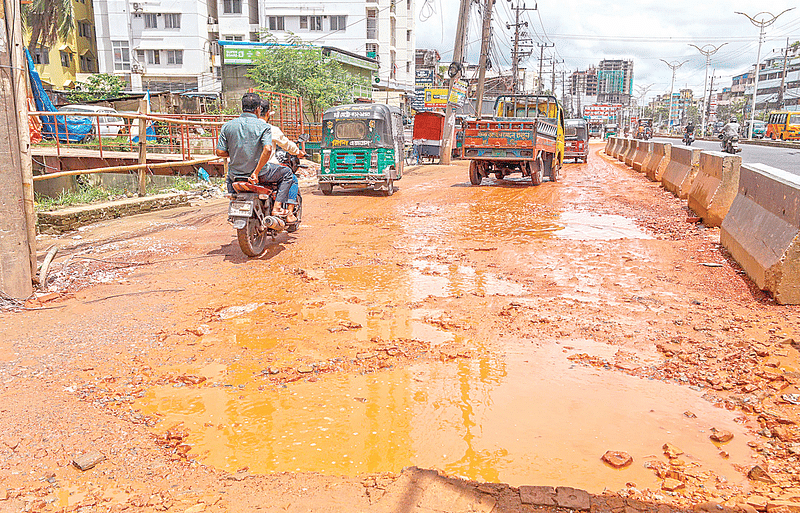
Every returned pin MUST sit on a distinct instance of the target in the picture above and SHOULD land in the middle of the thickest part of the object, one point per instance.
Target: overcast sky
(587, 31)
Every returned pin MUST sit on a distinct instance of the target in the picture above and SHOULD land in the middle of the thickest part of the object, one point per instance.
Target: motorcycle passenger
(246, 141)
(279, 139)
(729, 130)
(688, 132)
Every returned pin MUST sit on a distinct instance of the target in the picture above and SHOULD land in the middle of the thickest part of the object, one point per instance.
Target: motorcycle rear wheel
(252, 240)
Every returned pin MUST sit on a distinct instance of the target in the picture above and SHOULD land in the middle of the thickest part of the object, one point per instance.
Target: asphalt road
(787, 159)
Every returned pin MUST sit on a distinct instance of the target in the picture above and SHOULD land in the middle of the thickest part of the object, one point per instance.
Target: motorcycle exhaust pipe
(274, 223)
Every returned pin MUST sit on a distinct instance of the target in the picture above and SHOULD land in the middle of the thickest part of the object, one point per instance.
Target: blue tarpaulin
(149, 131)
(66, 128)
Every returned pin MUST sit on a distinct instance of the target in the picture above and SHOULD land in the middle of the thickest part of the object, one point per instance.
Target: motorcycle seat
(250, 187)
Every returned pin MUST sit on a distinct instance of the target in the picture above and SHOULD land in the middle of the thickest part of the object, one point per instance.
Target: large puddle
(531, 417)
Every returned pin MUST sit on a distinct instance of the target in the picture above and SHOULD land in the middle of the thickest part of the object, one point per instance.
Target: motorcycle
(730, 144)
(688, 139)
(250, 209)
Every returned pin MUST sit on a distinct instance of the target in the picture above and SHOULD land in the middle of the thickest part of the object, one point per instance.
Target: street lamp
(674, 67)
(708, 51)
(762, 23)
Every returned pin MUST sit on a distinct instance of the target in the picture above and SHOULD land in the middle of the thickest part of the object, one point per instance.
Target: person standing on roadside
(247, 143)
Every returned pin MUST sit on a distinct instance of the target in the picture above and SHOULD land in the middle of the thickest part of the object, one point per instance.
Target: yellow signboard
(435, 98)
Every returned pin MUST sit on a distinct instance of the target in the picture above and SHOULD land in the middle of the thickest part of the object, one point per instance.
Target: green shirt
(244, 138)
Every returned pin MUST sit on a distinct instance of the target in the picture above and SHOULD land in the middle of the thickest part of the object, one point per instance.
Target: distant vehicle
(526, 135)
(783, 125)
(576, 139)
(427, 136)
(595, 129)
(759, 129)
(610, 130)
(109, 125)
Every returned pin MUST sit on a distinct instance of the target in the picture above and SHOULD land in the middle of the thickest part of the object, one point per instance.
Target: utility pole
(542, 46)
(563, 87)
(553, 80)
(454, 71)
(710, 92)
(486, 37)
(762, 23)
(707, 51)
(15, 244)
(515, 50)
(674, 67)
(783, 75)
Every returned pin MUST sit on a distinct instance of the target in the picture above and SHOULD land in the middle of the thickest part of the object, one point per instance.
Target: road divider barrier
(715, 186)
(762, 230)
(681, 170)
(643, 149)
(654, 166)
(622, 148)
(630, 151)
(609, 144)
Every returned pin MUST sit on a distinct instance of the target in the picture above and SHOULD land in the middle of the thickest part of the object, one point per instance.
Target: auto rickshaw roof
(361, 111)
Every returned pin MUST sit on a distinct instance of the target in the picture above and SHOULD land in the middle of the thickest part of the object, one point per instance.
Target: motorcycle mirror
(303, 137)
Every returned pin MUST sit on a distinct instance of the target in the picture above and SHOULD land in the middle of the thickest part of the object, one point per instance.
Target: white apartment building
(161, 45)
(142, 40)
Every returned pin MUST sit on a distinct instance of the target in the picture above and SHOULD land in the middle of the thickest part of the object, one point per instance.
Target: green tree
(99, 86)
(300, 69)
(48, 21)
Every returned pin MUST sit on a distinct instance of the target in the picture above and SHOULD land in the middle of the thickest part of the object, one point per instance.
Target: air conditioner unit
(212, 20)
(137, 67)
(136, 6)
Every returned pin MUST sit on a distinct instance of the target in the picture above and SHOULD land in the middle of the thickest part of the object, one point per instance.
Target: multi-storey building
(615, 81)
(779, 82)
(66, 62)
(160, 46)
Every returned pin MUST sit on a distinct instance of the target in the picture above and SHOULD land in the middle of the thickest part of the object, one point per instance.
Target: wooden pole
(117, 169)
(143, 108)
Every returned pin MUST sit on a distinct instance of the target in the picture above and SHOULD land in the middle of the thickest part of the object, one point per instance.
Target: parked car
(110, 124)
(759, 129)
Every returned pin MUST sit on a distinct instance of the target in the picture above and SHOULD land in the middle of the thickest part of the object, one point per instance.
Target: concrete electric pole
(486, 36)
(454, 71)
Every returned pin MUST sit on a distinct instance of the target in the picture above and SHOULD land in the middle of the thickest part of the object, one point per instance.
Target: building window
(150, 21)
(372, 51)
(41, 56)
(172, 20)
(393, 70)
(87, 64)
(276, 23)
(372, 24)
(122, 57)
(408, 36)
(393, 33)
(175, 57)
(408, 5)
(408, 67)
(338, 22)
(255, 37)
(232, 6)
(153, 56)
(311, 22)
(84, 29)
(66, 59)
(234, 38)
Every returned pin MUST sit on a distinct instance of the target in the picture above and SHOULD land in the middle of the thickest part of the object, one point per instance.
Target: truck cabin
(527, 106)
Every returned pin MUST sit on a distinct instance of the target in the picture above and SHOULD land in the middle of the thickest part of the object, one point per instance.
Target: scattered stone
(757, 501)
(671, 485)
(188, 379)
(724, 455)
(783, 507)
(345, 326)
(617, 459)
(689, 415)
(759, 474)
(713, 507)
(11, 443)
(746, 508)
(273, 370)
(671, 451)
(538, 495)
(360, 399)
(794, 449)
(366, 356)
(572, 498)
(721, 435)
(782, 434)
(197, 508)
(202, 330)
(677, 462)
(88, 460)
(305, 369)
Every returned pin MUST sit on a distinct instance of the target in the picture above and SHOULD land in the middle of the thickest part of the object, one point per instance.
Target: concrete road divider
(653, 159)
(614, 143)
(620, 147)
(681, 170)
(630, 152)
(609, 144)
(643, 149)
(762, 230)
(715, 186)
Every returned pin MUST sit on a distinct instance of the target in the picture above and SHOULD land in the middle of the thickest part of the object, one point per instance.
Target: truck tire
(326, 188)
(536, 171)
(474, 173)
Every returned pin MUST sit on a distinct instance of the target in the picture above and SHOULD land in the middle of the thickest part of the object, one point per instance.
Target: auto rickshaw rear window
(351, 129)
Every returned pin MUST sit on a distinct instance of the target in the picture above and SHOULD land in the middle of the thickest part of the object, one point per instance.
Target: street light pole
(674, 67)
(708, 51)
(762, 23)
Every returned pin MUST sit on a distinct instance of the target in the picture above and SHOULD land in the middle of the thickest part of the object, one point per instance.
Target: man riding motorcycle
(279, 139)
(688, 133)
(730, 129)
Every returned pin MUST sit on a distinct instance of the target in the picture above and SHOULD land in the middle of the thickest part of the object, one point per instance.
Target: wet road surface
(503, 333)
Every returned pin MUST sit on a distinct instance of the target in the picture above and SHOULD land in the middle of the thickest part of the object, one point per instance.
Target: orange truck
(526, 135)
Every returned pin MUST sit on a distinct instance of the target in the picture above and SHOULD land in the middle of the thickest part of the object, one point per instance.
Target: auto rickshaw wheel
(326, 188)
(474, 173)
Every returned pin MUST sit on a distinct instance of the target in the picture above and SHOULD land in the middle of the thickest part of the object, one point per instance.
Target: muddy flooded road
(498, 334)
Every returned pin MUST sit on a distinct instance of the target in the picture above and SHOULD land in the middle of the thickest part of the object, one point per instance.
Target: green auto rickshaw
(362, 146)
